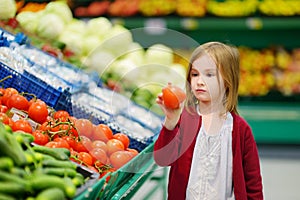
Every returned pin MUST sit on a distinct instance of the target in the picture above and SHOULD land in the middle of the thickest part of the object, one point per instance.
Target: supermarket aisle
(280, 167)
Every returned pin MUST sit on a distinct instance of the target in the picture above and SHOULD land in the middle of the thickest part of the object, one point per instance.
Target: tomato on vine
(86, 158)
(38, 111)
(61, 114)
(18, 101)
(71, 141)
(22, 125)
(6, 120)
(7, 94)
(3, 109)
(61, 143)
(40, 137)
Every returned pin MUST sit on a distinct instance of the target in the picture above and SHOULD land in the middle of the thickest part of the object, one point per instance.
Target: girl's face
(205, 84)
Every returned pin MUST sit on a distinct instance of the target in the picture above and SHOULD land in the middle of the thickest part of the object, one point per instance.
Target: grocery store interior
(83, 76)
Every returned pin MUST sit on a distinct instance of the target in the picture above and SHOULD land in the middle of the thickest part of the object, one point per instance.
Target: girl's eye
(193, 74)
(210, 74)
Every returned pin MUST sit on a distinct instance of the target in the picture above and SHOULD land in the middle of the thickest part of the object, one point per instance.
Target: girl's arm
(166, 147)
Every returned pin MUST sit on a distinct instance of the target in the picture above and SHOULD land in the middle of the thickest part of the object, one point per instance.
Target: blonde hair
(227, 60)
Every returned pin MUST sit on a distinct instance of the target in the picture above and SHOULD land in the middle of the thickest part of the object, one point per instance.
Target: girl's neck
(211, 109)
(213, 117)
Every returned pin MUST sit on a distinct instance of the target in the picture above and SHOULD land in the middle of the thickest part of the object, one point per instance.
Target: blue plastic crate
(25, 82)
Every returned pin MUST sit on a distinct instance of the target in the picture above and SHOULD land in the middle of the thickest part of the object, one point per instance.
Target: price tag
(155, 26)
(254, 23)
(17, 114)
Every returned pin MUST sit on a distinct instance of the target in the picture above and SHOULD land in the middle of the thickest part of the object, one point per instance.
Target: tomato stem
(7, 77)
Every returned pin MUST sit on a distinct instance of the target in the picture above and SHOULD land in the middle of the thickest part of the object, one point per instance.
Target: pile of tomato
(94, 146)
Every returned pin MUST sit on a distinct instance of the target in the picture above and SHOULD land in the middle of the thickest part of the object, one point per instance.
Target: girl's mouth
(200, 90)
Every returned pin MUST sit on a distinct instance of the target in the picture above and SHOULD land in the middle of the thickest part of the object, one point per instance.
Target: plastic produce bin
(24, 82)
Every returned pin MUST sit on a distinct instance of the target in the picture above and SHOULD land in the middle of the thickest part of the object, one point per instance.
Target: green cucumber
(62, 172)
(10, 188)
(70, 188)
(58, 153)
(6, 163)
(10, 147)
(51, 194)
(8, 177)
(78, 180)
(42, 182)
(23, 137)
(6, 197)
(18, 171)
(59, 163)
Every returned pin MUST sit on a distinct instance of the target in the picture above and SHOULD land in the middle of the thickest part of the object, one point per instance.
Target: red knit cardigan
(175, 148)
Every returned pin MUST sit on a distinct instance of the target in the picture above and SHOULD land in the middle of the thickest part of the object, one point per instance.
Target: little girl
(210, 149)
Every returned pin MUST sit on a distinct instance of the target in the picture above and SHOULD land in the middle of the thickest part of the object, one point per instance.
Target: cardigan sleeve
(166, 146)
(251, 165)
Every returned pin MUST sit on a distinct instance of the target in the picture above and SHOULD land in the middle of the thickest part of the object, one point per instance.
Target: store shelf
(273, 122)
(213, 23)
(183, 32)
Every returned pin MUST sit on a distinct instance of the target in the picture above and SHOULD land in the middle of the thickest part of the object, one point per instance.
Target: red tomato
(62, 143)
(7, 94)
(86, 158)
(123, 138)
(99, 154)
(22, 125)
(52, 144)
(102, 132)
(99, 144)
(84, 144)
(84, 127)
(120, 158)
(40, 137)
(38, 111)
(18, 101)
(60, 114)
(114, 145)
(172, 96)
(3, 109)
(71, 141)
(6, 120)
(133, 151)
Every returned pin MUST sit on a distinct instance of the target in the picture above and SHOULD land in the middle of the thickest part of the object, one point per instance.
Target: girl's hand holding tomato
(172, 96)
(171, 102)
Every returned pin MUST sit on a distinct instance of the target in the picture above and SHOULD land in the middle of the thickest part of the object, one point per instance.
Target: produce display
(99, 148)
(28, 171)
(190, 8)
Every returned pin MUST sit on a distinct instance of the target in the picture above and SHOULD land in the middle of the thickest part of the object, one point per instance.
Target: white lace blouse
(211, 169)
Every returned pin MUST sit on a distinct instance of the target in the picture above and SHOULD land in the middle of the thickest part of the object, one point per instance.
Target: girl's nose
(200, 81)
